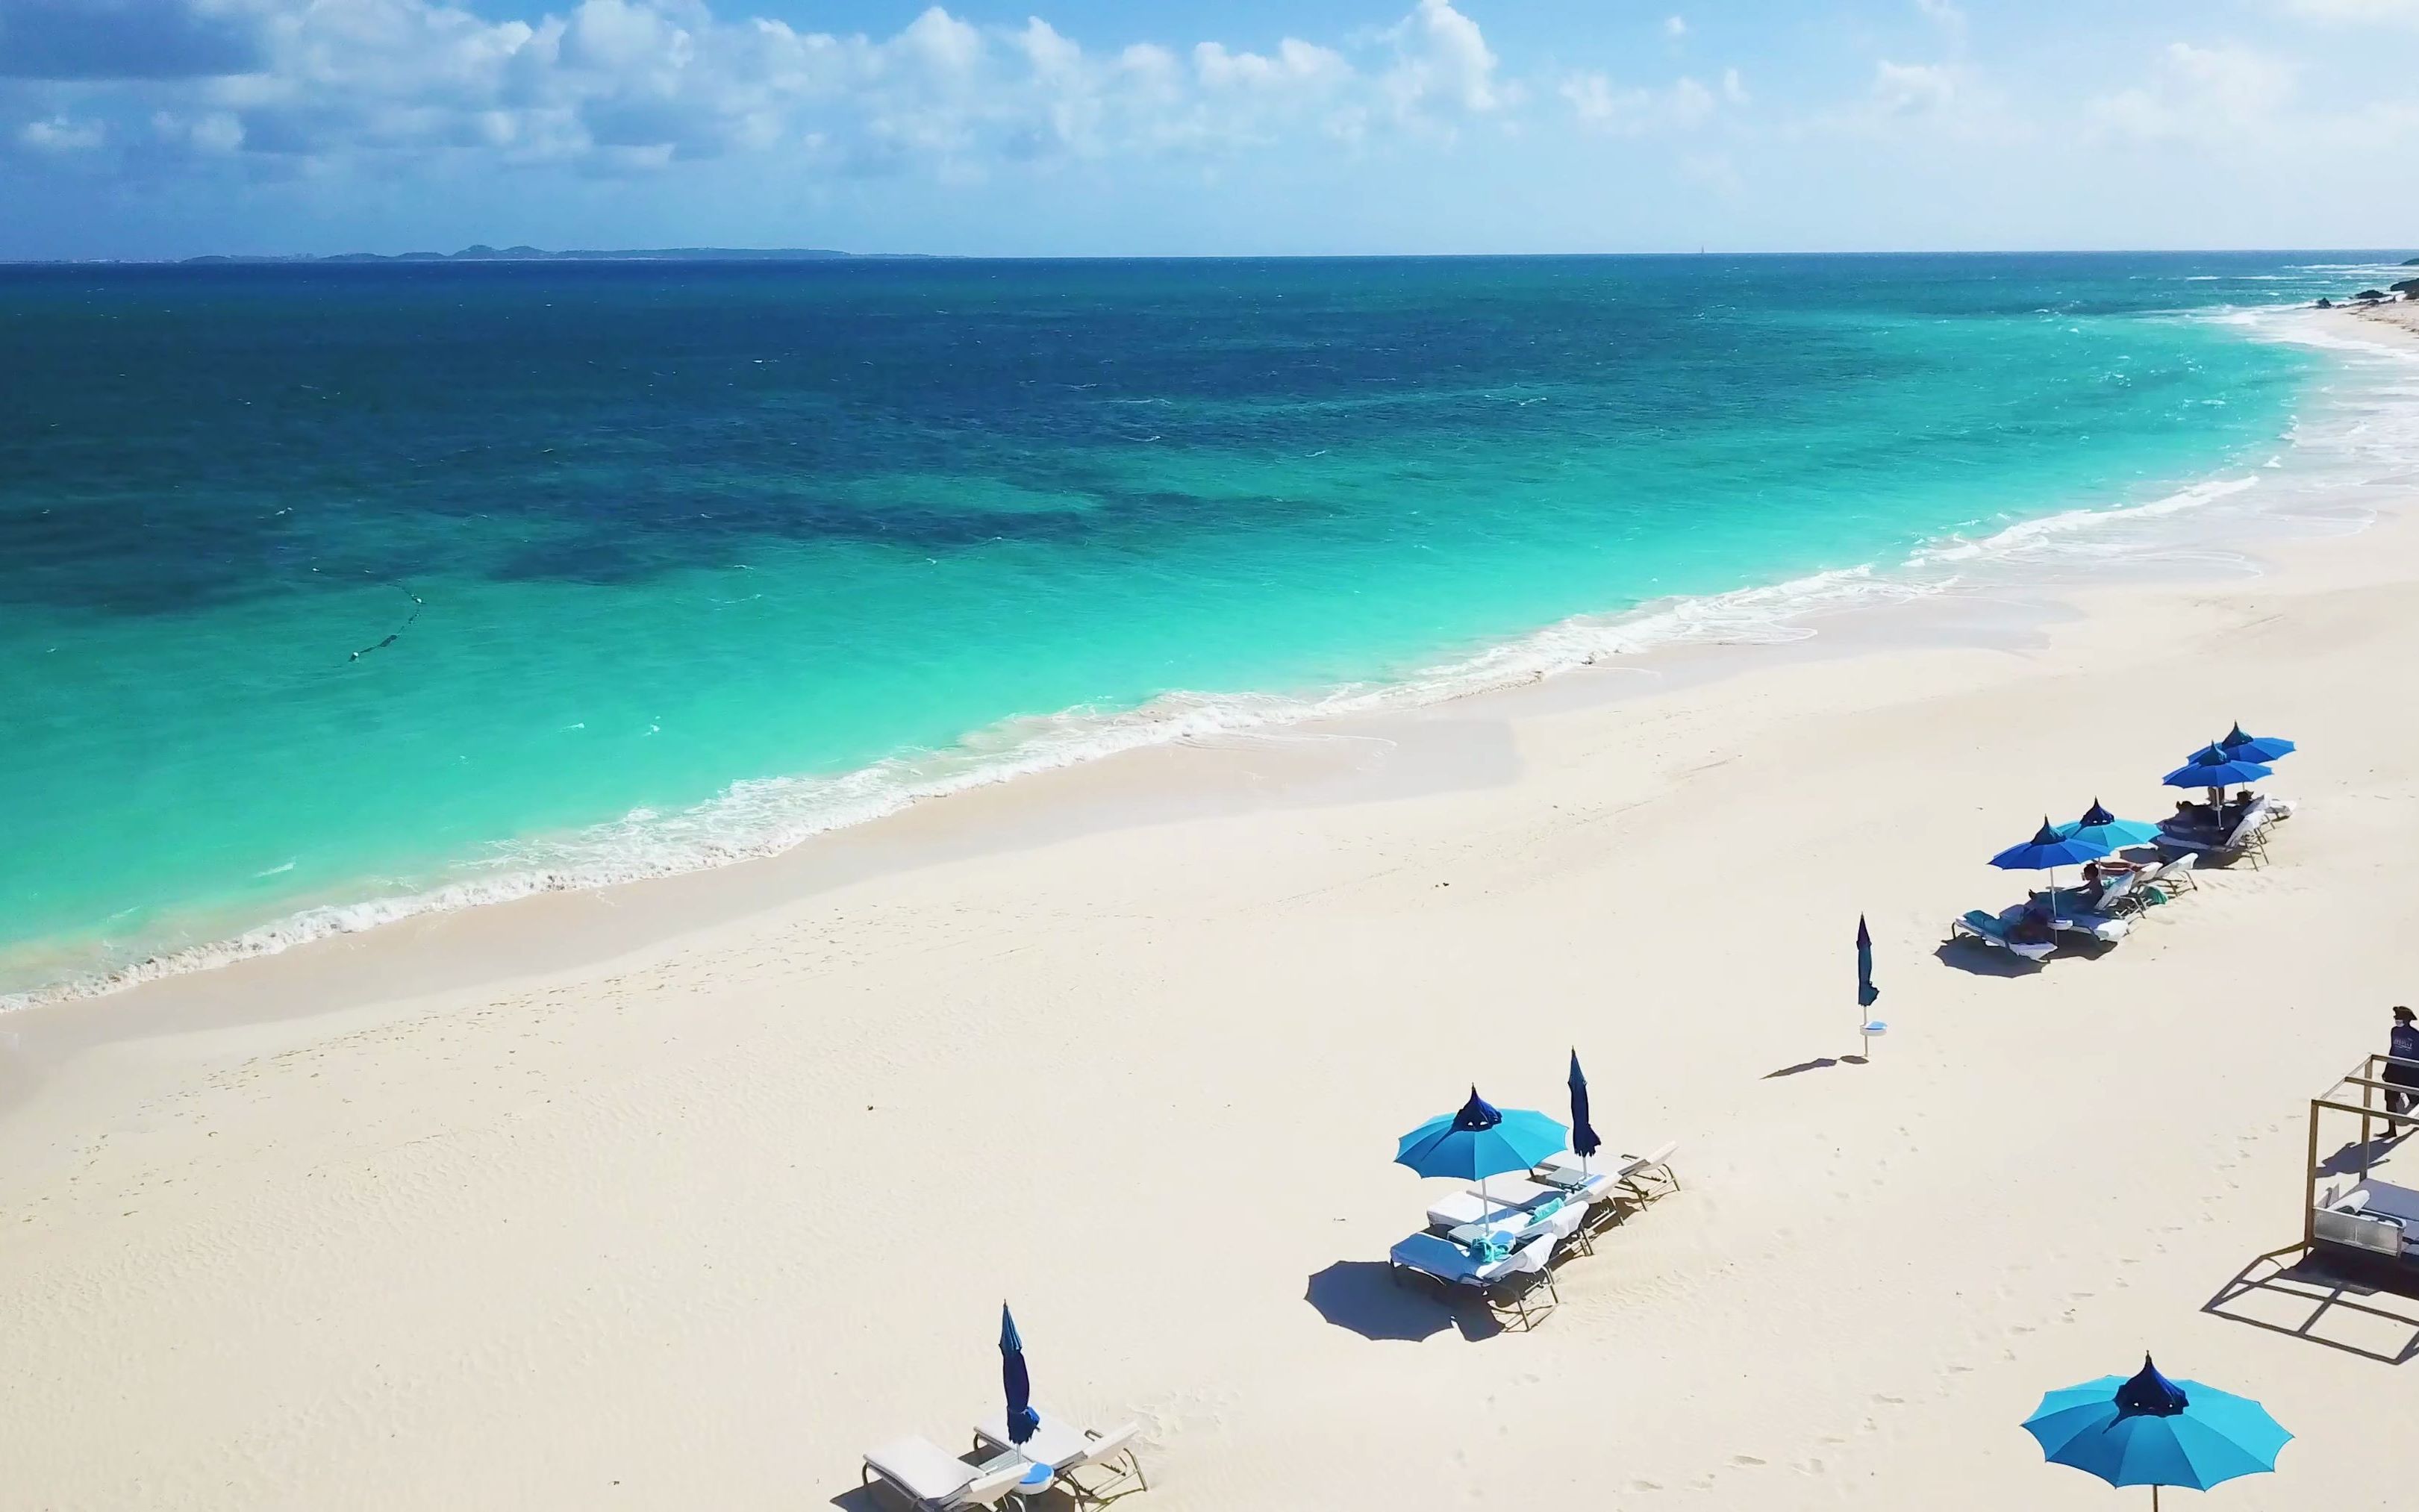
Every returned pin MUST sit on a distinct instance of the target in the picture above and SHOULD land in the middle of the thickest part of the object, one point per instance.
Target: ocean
(330, 594)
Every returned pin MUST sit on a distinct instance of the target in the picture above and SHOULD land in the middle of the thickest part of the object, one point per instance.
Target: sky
(141, 128)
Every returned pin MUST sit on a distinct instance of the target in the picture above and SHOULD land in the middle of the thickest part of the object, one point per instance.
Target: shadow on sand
(2356, 1157)
(2286, 1291)
(1818, 1063)
(1976, 959)
(1363, 1297)
(1971, 956)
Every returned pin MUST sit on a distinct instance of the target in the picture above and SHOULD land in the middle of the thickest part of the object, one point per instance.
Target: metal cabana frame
(2366, 1082)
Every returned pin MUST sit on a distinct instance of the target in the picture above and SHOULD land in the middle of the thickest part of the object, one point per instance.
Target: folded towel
(1490, 1248)
(1546, 1209)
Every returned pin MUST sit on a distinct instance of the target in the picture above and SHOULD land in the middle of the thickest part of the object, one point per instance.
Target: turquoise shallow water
(708, 558)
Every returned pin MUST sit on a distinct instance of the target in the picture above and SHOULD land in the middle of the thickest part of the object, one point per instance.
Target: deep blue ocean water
(681, 563)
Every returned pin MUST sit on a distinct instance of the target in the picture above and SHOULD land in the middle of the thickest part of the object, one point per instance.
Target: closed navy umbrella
(1583, 1140)
(1021, 1419)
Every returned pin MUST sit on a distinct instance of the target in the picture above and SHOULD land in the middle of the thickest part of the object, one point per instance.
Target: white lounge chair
(2248, 838)
(1653, 1176)
(2169, 878)
(2105, 928)
(1464, 1214)
(1118, 1472)
(931, 1479)
(1056, 1441)
(1992, 931)
(1593, 1179)
(1499, 1284)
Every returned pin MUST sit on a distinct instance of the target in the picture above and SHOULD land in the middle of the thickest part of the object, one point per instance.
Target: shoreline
(610, 1231)
(1640, 639)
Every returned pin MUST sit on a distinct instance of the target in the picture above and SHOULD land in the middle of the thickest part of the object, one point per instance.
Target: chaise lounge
(1505, 1285)
(928, 1478)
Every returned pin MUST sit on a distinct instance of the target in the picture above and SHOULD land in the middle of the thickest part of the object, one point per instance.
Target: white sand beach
(684, 1194)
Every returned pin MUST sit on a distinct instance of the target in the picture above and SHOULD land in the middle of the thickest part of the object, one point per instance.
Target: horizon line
(806, 254)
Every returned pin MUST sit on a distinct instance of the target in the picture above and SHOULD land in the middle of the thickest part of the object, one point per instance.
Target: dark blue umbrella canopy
(2213, 766)
(2255, 748)
(2049, 848)
(2098, 823)
(1583, 1140)
(1021, 1419)
(1866, 992)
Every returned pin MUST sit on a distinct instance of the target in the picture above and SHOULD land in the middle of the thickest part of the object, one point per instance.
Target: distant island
(539, 255)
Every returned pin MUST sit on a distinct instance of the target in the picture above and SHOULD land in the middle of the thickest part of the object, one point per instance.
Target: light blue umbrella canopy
(2213, 766)
(2049, 848)
(1480, 1141)
(2099, 824)
(2255, 748)
(2148, 1430)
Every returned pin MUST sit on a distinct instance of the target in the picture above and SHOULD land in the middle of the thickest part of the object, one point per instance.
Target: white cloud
(2199, 93)
(1675, 27)
(1442, 65)
(1913, 88)
(59, 134)
(1601, 105)
(631, 85)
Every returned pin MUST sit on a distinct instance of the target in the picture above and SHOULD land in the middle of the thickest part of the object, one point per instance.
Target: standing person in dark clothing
(2404, 1045)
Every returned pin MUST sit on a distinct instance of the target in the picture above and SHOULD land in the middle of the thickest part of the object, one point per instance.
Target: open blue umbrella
(2099, 824)
(1480, 1141)
(1583, 1138)
(2049, 848)
(2152, 1431)
(2048, 851)
(2254, 747)
(2213, 766)
(1021, 1419)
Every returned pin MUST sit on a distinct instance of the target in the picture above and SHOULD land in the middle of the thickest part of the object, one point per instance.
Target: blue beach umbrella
(1021, 1419)
(2152, 1432)
(2213, 766)
(1479, 1142)
(1583, 1138)
(2048, 851)
(1867, 993)
(2049, 848)
(2098, 825)
(2254, 747)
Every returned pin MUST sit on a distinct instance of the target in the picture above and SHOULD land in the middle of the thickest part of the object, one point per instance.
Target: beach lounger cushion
(931, 1479)
(1990, 931)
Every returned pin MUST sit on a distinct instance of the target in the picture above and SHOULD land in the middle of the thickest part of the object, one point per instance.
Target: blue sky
(165, 127)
